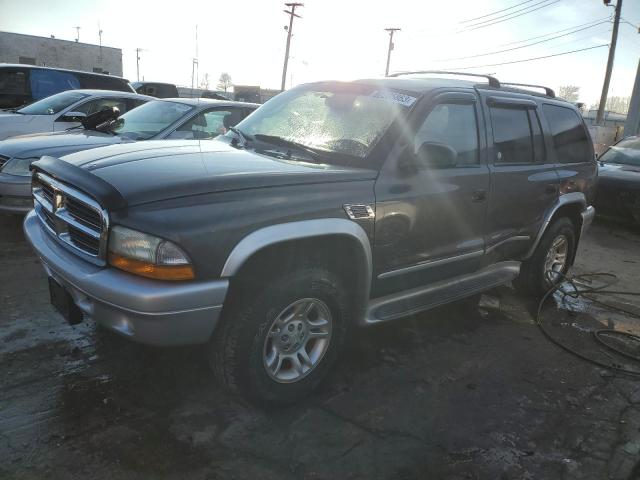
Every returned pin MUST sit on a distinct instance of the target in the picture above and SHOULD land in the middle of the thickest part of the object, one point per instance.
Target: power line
(507, 14)
(524, 46)
(497, 11)
(507, 19)
(531, 59)
(553, 33)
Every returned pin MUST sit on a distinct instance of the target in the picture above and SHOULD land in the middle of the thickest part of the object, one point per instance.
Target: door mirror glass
(436, 155)
(72, 117)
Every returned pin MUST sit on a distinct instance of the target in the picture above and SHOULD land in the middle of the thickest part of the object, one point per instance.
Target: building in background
(51, 52)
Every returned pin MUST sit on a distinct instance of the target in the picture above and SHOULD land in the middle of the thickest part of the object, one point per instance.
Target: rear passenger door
(571, 149)
(524, 183)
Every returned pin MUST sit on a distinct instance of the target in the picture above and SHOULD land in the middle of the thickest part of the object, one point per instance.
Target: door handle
(479, 196)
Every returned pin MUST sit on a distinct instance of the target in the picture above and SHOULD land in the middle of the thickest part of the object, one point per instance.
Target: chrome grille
(72, 216)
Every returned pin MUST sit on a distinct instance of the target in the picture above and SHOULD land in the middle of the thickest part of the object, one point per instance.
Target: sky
(343, 39)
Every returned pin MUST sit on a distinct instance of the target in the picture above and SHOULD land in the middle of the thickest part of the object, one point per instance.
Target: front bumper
(148, 311)
(588, 214)
(15, 194)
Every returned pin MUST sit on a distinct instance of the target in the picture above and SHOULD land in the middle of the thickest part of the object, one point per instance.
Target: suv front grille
(72, 216)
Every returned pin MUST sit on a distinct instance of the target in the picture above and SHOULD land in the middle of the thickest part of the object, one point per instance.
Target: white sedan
(64, 110)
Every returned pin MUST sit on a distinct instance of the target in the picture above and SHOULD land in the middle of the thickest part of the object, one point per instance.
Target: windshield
(53, 104)
(346, 119)
(149, 119)
(626, 152)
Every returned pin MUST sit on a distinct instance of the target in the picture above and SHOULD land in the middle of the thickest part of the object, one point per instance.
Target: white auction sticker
(395, 97)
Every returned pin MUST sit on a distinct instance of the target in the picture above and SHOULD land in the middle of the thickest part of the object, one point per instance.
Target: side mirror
(437, 155)
(73, 117)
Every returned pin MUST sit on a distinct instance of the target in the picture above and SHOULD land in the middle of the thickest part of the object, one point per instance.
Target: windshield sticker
(395, 97)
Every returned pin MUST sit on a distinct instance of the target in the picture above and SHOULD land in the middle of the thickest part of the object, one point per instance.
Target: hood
(163, 169)
(56, 144)
(618, 175)
(12, 124)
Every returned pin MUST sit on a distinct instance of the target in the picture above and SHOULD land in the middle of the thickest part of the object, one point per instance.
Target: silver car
(177, 118)
(64, 110)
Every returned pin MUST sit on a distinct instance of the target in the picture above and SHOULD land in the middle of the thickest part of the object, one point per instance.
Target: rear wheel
(280, 337)
(551, 260)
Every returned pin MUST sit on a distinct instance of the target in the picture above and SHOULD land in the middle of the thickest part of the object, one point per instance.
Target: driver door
(430, 211)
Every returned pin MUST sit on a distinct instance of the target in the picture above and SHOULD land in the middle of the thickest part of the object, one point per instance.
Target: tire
(246, 339)
(533, 278)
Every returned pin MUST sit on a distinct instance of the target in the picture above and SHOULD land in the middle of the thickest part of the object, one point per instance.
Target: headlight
(18, 166)
(148, 256)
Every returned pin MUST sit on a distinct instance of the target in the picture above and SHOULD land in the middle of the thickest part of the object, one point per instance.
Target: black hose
(575, 282)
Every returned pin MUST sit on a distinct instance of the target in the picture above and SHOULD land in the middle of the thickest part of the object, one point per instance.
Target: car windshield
(346, 119)
(149, 119)
(53, 104)
(627, 152)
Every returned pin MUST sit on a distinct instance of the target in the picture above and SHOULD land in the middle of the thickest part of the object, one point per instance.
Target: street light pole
(291, 14)
(391, 32)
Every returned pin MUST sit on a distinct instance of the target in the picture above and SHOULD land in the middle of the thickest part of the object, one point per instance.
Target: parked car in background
(184, 119)
(335, 204)
(23, 84)
(618, 193)
(156, 89)
(64, 110)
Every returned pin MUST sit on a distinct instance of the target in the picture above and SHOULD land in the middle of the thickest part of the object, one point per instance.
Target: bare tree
(224, 82)
(615, 105)
(204, 83)
(569, 92)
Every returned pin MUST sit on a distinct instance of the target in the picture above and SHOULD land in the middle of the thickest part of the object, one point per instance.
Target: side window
(98, 104)
(448, 137)
(511, 136)
(13, 82)
(208, 124)
(132, 103)
(570, 138)
(47, 82)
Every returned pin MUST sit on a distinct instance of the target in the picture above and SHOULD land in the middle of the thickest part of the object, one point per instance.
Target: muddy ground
(456, 393)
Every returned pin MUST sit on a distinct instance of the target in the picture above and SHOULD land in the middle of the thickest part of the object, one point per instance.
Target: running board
(408, 302)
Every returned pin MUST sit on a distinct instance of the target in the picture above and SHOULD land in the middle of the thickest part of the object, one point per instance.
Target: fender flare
(577, 198)
(283, 232)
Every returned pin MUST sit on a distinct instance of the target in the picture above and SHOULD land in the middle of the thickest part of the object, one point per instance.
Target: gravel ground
(458, 393)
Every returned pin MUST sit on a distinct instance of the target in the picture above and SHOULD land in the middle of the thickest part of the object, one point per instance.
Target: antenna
(77, 33)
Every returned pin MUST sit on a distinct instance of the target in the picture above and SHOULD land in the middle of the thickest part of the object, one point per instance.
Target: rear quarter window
(569, 136)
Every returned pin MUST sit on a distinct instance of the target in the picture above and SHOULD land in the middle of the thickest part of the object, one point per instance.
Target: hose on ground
(578, 286)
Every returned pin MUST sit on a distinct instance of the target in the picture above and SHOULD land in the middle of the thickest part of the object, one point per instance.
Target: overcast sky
(342, 39)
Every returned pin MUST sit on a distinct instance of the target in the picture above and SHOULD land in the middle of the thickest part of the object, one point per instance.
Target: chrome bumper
(148, 311)
(588, 214)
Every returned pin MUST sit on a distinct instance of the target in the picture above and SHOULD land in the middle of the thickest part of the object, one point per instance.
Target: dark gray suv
(333, 205)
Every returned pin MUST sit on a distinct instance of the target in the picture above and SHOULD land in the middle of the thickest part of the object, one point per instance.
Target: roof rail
(493, 81)
(548, 92)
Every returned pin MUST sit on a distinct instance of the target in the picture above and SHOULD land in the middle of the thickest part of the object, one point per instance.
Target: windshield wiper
(244, 138)
(283, 142)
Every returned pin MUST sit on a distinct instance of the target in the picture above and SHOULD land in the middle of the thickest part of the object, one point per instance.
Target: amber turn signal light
(149, 270)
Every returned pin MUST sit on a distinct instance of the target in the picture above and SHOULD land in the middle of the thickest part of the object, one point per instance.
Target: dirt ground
(456, 393)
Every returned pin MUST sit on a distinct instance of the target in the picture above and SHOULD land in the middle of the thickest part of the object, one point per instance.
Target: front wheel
(280, 337)
(551, 260)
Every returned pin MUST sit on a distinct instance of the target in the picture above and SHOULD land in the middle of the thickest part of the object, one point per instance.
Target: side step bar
(406, 303)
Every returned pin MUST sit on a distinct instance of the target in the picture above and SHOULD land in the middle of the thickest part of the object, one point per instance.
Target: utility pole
(289, 30)
(77, 34)
(194, 64)
(612, 54)
(632, 125)
(138, 50)
(391, 32)
(100, 39)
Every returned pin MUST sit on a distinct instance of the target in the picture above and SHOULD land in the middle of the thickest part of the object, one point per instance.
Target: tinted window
(208, 124)
(452, 125)
(98, 104)
(48, 82)
(511, 135)
(103, 82)
(13, 82)
(570, 138)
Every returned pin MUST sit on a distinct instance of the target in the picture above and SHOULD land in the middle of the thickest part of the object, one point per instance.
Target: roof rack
(548, 91)
(493, 81)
